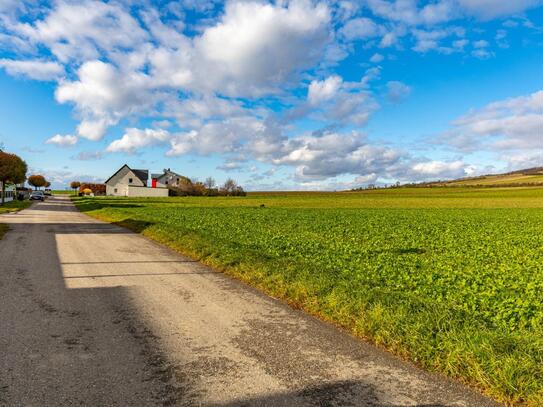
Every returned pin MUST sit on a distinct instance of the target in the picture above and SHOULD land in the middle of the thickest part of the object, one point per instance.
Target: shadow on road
(334, 394)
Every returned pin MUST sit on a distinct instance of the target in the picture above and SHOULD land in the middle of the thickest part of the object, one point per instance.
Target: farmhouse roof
(141, 174)
(167, 172)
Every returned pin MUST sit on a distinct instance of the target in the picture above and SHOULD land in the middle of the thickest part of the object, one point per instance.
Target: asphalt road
(91, 314)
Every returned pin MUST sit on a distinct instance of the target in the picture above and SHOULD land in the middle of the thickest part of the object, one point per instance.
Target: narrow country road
(92, 314)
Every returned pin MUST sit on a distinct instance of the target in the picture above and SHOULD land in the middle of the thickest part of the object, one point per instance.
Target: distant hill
(526, 177)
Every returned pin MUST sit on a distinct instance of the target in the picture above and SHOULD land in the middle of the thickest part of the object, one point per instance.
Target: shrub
(96, 189)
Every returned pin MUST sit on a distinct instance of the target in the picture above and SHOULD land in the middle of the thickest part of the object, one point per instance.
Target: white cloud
(320, 91)
(256, 47)
(511, 124)
(62, 141)
(330, 155)
(361, 28)
(480, 44)
(33, 69)
(408, 11)
(82, 30)
(227, 136)
(441, 170)
(488, 9)
(134, 139)
(102, 96)
(376, 58)
(397, 91)
(341, 102)
(388, 40)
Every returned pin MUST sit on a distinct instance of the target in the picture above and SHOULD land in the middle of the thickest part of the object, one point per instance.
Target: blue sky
(278, 95)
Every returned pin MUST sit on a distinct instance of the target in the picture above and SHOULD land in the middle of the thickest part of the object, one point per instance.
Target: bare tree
(210, 183)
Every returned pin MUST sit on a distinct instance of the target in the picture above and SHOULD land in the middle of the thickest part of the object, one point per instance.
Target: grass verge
(457, 290)
(14, 206)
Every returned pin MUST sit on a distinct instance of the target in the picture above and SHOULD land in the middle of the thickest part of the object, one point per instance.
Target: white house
(10, 192)
(167, 178)
(131, 182)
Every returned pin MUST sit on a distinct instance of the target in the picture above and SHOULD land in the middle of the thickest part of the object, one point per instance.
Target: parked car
(47, 192)
(37, 196)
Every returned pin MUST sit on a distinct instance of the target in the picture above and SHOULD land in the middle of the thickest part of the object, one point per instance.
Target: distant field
(62, 192)
(448, 277)
(514, 179)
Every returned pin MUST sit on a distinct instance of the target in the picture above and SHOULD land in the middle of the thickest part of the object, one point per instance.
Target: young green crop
(456, 290)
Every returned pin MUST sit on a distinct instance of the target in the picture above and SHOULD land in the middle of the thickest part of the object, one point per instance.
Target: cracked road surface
(92, 314)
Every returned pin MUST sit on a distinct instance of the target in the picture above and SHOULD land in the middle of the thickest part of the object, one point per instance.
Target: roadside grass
(62, 192)
(451, 280)
(14, 206)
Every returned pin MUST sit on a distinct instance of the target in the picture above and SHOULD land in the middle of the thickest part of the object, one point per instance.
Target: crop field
(450, 278)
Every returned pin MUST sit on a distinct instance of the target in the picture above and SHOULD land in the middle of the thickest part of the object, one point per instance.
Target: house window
(129, 180)
(166, 182)
(115, 190)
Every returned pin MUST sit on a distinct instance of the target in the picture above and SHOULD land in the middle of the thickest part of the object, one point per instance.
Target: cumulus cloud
(256, 46)
(134, 139)
(62, 141)
(514, 123)
(440, 170)
(103, 95)
(218, 137)
(82, 30)
(321, 91)
(33, 69)
(341, 102)
(361, 28)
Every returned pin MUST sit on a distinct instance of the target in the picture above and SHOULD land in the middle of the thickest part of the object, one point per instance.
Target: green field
(450, 278)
